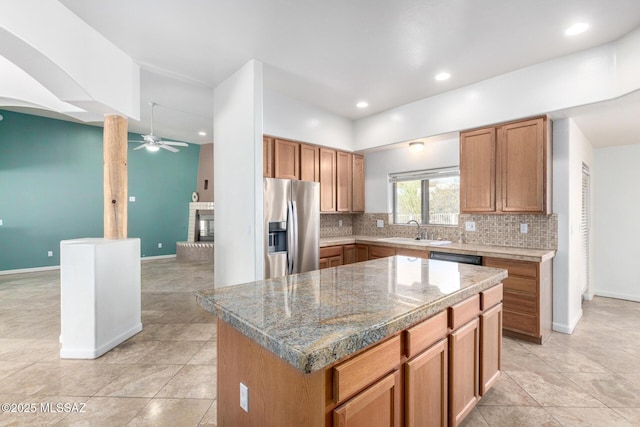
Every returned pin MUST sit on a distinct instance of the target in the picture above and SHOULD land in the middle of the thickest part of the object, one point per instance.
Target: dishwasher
(461, 258)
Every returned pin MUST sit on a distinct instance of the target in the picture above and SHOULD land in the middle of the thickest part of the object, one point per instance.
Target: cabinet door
(324, 263)
(478, 171)
(522, 166)
(335, 261)
(381, 251)
(344, 165)
(309, 163)
(327, 180)
(377, 406)
(362, 253)
(357, 204)
(349, 254)
(413, 253)
(267, 157)
(463, 371)
(426, 379)
(286, 159)
(490, 347)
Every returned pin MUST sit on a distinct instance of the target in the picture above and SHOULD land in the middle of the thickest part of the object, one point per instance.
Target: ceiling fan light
(153, 147)
(416, 146)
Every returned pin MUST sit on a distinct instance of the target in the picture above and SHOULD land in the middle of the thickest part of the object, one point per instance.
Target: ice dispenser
(277, 236)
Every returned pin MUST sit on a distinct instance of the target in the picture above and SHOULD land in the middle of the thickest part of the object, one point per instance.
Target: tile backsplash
(498, 230)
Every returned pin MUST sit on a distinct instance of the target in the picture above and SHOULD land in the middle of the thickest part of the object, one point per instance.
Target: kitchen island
(359, 343)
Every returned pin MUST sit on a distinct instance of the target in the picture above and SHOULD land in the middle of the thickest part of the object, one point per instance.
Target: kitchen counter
(314, 319)
(521, 254)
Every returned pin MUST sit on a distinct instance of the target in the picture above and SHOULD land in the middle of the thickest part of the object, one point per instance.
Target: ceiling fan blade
(141, 146)
(140, 142)
(179, 144)
(168, 147)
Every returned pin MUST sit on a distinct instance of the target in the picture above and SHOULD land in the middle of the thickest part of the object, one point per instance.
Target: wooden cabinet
(349, 254)
(528, 298)
(357, 203)
(344, 179)
(362, 253)
(376, 251)
(309, 163)
(267, 157)
(490, 347)
(327, 180)
(331, 256)
(506, 168)
(286, 156)
(414, 253)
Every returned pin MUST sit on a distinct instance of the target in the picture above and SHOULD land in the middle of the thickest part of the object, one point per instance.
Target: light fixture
(443, 76)
(416, 146)
(362, 104)
(153, 147)
(1, 117)
(577, 28)
(202, 133)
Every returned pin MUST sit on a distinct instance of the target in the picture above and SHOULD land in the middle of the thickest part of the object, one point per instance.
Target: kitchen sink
(413, 241)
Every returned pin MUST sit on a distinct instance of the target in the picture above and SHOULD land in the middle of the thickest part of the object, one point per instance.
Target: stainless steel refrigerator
(292, 227)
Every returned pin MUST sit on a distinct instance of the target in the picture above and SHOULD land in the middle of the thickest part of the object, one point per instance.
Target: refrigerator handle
(290, 235)
(294, 259)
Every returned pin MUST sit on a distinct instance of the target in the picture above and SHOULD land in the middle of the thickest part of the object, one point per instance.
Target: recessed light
(202, 133)
(416, 146)
(443, 76)
(575, 29)
(362, 104)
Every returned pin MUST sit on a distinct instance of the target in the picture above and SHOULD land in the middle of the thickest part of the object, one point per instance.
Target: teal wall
(51, 190)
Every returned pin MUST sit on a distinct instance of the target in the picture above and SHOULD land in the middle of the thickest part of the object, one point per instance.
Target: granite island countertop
(314, 319)
(508, 252)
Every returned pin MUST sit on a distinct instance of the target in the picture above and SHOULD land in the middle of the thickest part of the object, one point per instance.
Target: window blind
(424, 174)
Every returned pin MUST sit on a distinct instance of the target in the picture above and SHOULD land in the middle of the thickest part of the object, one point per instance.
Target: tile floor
(165, 375)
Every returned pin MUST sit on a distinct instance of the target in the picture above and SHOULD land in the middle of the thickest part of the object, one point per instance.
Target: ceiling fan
(153, 143)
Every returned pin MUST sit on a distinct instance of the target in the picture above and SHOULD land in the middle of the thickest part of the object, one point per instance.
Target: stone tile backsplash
(499, 230)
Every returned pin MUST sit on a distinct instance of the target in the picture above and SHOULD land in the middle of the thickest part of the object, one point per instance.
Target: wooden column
(115, 177)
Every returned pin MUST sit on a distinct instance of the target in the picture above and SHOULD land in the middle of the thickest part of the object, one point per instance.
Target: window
(429, 196)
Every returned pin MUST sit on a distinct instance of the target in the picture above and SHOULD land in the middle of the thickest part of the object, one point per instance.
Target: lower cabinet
(376, 251)
(376, 406)
(362, 253)
(349, 254)
(464, 346)
(331, 256)
(490, 347)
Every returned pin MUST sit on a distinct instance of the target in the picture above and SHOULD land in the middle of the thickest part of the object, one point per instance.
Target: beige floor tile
(474, 419)
(593, 417)
(613, 390)
(505, 392)
(140, 381)
(43, 410)
(172, 352)
(29, 350)
(105, 411)
(521, 416)
(159, 332)
(630, 414)
(193, 381)
(171, 412)
(554, 389)
(82, 379)
(207, 355)
(32, 379)
(129, 352)
(522, 360)
(210, 419)
(8, 368)
(568, 360)
(199, 332)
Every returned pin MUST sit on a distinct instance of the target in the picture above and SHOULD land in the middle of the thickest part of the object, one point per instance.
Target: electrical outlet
(132, 198)
(49, 253)
(159, 245)
(524, 228)
(244, 397)
(470, 226)
(339, 223)
(380, 223)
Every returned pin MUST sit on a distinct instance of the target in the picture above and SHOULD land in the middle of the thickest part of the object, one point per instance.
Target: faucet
(418, 224)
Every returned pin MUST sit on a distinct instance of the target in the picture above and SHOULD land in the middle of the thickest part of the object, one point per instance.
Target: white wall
(237, 117)
(379, 164)
(616, 235)
(292, 119)
(570, 150)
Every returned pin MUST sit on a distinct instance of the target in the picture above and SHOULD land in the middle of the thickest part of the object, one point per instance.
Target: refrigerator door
(277, 198)
(306, 201)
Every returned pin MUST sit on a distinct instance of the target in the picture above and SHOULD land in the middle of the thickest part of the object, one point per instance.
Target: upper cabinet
(309, 163)
(286, 159)
(267, 157)
(506, 168)
(327, 180)
(344, 193)
(357, 202)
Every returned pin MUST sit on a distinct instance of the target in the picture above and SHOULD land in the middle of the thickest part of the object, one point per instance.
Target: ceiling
(335, 53)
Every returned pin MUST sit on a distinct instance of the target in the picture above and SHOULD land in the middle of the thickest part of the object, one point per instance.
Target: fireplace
(204, 225)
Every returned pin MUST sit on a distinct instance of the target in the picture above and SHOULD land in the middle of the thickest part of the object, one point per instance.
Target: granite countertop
(316, 318)
(522, 254)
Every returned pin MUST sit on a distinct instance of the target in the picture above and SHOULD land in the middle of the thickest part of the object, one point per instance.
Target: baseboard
(567, 329)
(94, 353)
(151, 258)
(618, 295)
(30, 270)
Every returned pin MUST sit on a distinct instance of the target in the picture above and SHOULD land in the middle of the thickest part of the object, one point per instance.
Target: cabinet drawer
(464, 311)
(522, 284)
(518, 322)
(414, 253)
(360, 371)
(381, 251)
(490, 297)
(517, 268)
(424, 334)
(520, 302)
(330, 251)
